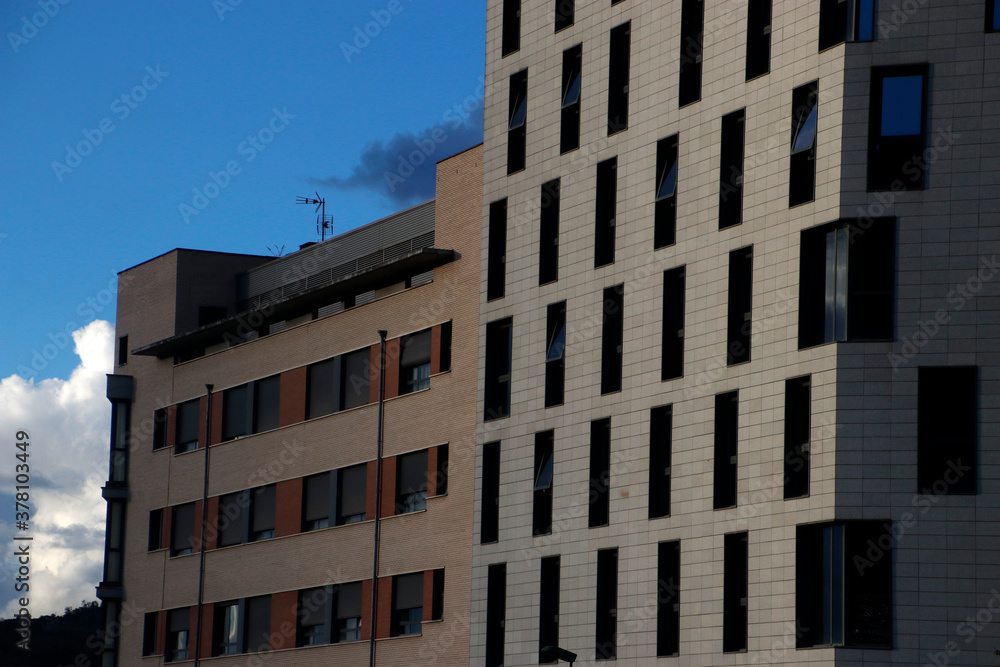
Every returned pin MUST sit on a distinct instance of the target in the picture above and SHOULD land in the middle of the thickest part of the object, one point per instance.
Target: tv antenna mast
(323, 223)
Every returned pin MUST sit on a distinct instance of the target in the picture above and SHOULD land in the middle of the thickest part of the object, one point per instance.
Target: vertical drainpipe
(378, 492)
(204, 522)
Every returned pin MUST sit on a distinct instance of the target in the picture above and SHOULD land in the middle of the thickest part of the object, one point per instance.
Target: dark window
(496, 253)
(798, 412)
(565, 9)
(511, 38)
(612, 338)
(668, 598)
(155, 538)
(758, 60)
(947, 412)
(605, 630)
(226, 629)
(347, 615)
(672, 363)
(555, 353)
(233, 517)
(731, 169)
(618, 76)
(802, 163)
(847, 271)
(548, 607)
(178, 625)
(123, 350)
(236, 412)
(740, 305)
(441, 474)
(267, 397)
(314, 622)
(352, 484)
(572, 80)
(548, 237)
(604, 214)
(187, 426)
(489, 528)
(665, 216)
(734, 593)
(407, 604)
(150, 621)
(692, 45)
(498, 362)
(843, 587)
(316, 501)
(726, 449)
(444, 353)
(355, 379)
(517, 122)
(600, 472)
(992, 15)
(897, 128)
(411, 482)
(257, 631)
(845, 20)
(262, 513)
(160, 428)
(437, 595)
(660, 442)
(415, 362)
(496, 613)
(182, 529)
(542, 490)
(323, 388)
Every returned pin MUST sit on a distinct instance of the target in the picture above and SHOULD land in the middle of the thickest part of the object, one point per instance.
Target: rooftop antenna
(323, 223)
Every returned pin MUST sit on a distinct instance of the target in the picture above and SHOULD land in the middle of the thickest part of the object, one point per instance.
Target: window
(149, 623)
(226, 629)
(758, 59)
(257, 632)
(798, 412)
(618, 75)
(441, 473)
(356, 379)
(611, 339)
(351, 494)
(489, 526)
(548, 606)
(262, 513)
(802, 163)
(155, 539)
(672, 363)
(947, 409)
(548, 237)
(187, 426)
(897, 127)
(347, 627)
(444, 353)
(235, 412)
(266, 397)
(847, 272)
(665, 216)
(496, 253)
(407, 604)
(555, 353)
(572, 77)
(123, 350)
(692, 45)
(334, 498)
(511, 38)
(182, 530)
(731, 170)
(496, 613)
(316, 501)
(734, 593)
(232, 518)
(726, 449)
(415, 362)
(178, 624)
(843, 587)
(159, 428)
(845, 20)
(604, 216)
(498, 366)
(338, 384)
(437, 595)
(668, 599)
(565, 10)
(517, 131)
(660, 443)
(314, 623)
(542, 490)
(605, 631)
(992, 15)
(411, 482)
(600, 472)
(740, 305)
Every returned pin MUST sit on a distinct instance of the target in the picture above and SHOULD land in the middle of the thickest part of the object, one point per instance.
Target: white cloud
(69, 423)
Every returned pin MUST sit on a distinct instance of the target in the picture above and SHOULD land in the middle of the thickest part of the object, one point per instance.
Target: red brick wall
(161, 632)
(435, 349)
(212, 530)
(193, 630)
(389, 486)
(165, 529)
(428, 593)
(370, 490)
(288, 507)
(196, 542)
(293, 396)
(392, 368)
(432, 464)
(202, 411)
(384, 610)
(216, 417)
(283, 619)
(207, 617)
(171, 435)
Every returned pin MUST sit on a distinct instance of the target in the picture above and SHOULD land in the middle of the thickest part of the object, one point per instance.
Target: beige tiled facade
(863, 399)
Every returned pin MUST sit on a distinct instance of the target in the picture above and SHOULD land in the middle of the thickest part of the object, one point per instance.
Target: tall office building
(739, 354)
(247, 399)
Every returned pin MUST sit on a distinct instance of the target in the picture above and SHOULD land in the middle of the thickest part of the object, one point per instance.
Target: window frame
(692, 49)
(883, 171)
(496, 251)
(660, 455)
(797, 436)
(665, 205)
(739, 324)
(517, 127)
(802, 161)
(548, 233)
(606, 617)
(735, 605)
(569, 115)
(725, 480)
(612, 338)
(489, 524)
(599, 497)
(619, 74)
(555, 354)
(544, 481)
(732, 168)
(499, 376)
(674, 303)
(668, 598)
(947, 431)
(414, 377)
(758, 39)
(183, 411)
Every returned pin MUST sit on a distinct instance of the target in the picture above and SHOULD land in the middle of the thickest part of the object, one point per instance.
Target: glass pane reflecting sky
(901, 102)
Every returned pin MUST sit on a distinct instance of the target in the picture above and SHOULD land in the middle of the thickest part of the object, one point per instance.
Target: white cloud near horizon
(69, 422)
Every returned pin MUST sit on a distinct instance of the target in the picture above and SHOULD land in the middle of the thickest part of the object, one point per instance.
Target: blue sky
(199, 79)
(129, 129)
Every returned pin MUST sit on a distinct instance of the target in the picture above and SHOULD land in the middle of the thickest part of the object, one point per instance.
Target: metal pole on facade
(204, 522)
(378, 492)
